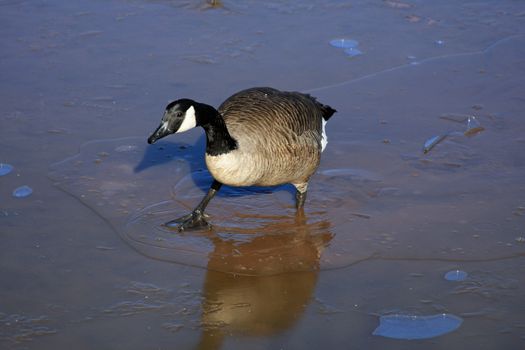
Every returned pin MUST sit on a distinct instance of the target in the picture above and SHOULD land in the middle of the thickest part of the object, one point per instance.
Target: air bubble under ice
(344, 43)
(348, 45)
(22, 191)
(416, 327)
(5, 169)
(456, 275)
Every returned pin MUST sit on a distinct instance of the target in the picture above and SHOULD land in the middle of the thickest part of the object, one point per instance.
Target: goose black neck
(218, 139)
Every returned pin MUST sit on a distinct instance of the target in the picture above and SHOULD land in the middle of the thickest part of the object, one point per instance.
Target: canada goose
(258, 137)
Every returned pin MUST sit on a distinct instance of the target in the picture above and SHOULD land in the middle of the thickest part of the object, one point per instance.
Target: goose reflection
(272, 278)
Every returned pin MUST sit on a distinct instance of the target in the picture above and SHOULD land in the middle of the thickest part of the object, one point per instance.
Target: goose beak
(159, 133)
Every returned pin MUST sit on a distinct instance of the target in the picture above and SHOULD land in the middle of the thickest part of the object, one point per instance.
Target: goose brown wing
(267, 110)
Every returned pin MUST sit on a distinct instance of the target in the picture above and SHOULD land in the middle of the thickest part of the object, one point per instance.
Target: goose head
(180, 116)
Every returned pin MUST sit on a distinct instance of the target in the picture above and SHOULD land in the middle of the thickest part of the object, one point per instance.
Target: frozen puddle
(416, 327)
(375, 196)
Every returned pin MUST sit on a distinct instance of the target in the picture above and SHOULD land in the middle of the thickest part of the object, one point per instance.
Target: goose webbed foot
(195, 220)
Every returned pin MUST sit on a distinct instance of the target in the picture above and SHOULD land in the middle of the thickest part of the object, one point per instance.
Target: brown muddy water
(85, 264)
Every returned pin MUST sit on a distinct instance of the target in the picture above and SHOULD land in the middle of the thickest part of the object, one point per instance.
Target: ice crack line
(423, 61)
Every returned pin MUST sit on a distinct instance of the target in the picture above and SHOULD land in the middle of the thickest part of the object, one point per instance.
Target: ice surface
(349, 216)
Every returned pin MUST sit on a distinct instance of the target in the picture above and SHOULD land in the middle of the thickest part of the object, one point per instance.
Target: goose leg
(196, 219)
(300, 195)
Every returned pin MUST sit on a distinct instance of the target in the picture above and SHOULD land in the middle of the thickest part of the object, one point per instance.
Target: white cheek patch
(189, 121)
(324, 139)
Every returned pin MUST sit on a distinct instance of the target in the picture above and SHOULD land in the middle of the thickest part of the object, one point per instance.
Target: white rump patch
(324, 139)
(189, 121)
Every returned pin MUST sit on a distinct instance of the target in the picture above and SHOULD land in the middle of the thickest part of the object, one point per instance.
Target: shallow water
(86, 264)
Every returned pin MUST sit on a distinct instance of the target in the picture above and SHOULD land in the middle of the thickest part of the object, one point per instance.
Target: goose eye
(178, 114)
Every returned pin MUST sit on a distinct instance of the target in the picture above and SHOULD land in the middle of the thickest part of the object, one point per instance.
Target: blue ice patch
(416, 327)
(22, 191)
(5, 169)
(344, 43)
(456, 275)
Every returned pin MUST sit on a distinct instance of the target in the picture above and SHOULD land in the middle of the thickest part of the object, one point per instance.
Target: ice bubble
(5, 169)
(456, 275)
(416, 327)
(344, 43)
(352, 52)
(22, 191)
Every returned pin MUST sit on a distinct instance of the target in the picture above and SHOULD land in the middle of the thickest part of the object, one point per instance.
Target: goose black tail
(327, 111)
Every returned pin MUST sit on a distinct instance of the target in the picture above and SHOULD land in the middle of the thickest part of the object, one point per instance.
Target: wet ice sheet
(255, 231)
(416, 327)
(369, 199)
